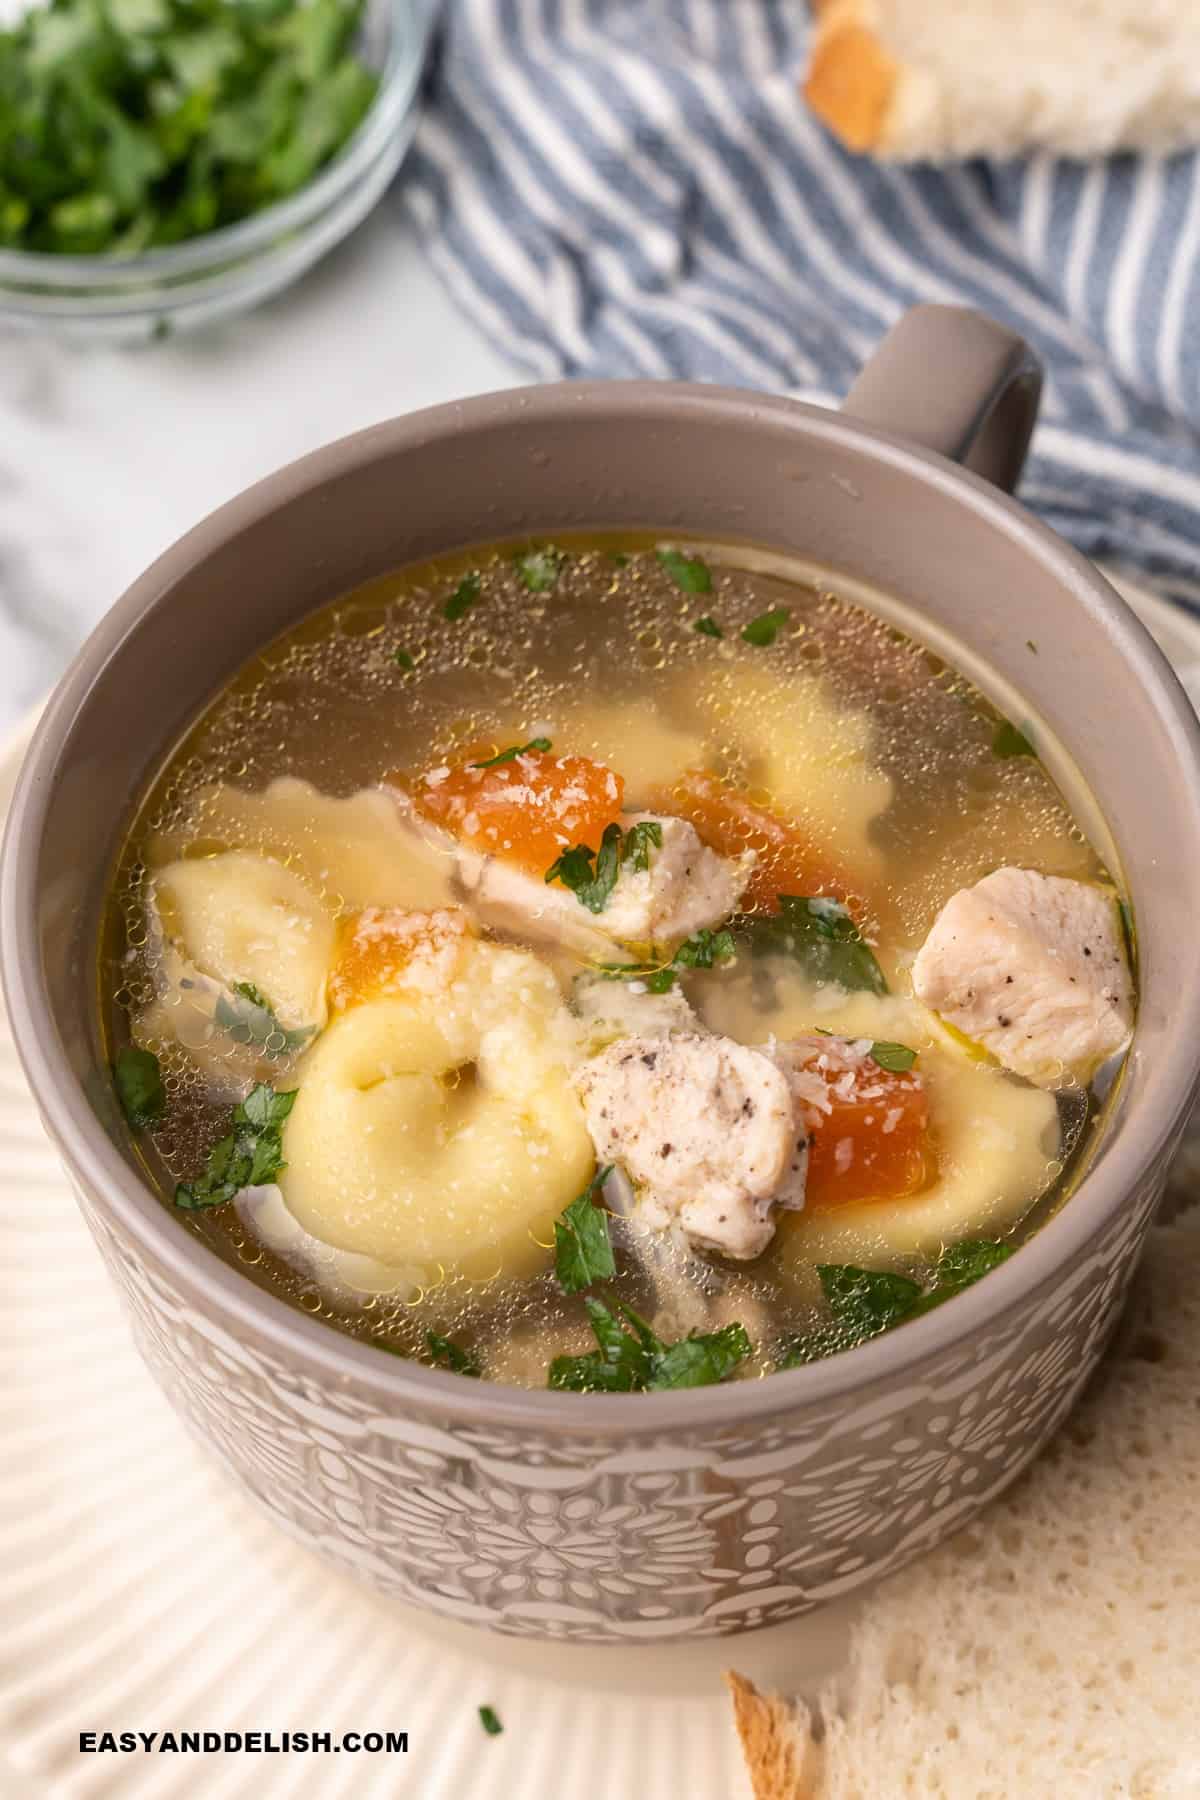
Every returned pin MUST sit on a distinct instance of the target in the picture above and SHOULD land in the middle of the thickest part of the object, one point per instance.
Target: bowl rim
(97, 274)
(140, 1214)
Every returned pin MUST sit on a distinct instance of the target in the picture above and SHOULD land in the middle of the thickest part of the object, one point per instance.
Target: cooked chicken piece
(1033, 968)
(511, 899)
(686, 887)
(616, 1009)
(704, 1126)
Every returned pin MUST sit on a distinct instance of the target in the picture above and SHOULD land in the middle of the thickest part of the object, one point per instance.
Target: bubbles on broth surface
(382, 681)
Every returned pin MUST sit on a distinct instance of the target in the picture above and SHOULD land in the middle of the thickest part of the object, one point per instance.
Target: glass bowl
(224, 272)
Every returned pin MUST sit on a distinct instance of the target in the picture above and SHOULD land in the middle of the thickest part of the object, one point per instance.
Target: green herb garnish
(133, 124)
(251, 1153)
(490, 1720)
(249, 1018)
(462, 599)
(1008, 741)
(707, 627)
(619, 557)
(895, 1058)
(691, 573)
(865, 1302)
(960, 1266)
(703, 950)
(819, 933)
(404, 661)
(512, 753)
(539, 570)
(444, 1353)
(630, 1359)
(582, 1248)
(592, 875)
(766, 628)
(1030, 645)
(139, 1085)
(640, 839)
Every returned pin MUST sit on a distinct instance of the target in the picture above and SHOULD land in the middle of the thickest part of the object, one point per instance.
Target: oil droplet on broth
(329, 704)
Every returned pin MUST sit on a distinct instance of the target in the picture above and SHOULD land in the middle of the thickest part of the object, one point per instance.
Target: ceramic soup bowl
(655, 1516)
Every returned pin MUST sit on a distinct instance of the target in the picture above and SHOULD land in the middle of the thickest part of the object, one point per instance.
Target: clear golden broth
(818, 725)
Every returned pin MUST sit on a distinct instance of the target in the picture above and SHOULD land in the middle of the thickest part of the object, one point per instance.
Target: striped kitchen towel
(635, 187)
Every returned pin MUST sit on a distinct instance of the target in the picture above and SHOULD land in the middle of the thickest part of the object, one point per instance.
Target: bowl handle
(954, 381)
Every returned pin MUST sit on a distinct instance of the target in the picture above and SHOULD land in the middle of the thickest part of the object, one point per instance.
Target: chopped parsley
(703, 950)
(539, 570)
(251, 1152)
(766, 628)
(619, 557)
(134, 124)
(819, 933)
(404, 661)
(582, 1249)
(691, 573)
(463, 598)
(490, 1720)
(444, 1353)
(895, 1058)
(865, 1302)
(707, 627)
(1008, 741)
(632, 1360)
(249, 1018)
(592, 875)
(512, 753)
(640, 839)
(139, 1085)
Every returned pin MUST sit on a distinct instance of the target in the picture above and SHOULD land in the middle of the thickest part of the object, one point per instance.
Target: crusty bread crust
(782, 1759)
(852, 77)
(932, 80)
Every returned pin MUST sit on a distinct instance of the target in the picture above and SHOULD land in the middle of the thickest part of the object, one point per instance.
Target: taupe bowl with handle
(642, 1517)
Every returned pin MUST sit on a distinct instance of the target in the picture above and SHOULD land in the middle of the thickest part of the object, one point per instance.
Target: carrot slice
(383, 950)
(527, 810)
(730, 822)
(868, 1128)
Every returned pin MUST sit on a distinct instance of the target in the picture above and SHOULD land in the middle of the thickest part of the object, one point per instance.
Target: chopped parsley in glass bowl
(167, 163)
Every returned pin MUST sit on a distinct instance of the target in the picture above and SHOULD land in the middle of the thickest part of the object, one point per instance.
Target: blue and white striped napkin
(635, 187)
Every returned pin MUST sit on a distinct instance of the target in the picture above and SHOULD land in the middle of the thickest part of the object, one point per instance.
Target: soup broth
(610, 854)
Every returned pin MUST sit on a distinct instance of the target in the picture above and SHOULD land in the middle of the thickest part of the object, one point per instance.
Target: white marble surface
(106, 456)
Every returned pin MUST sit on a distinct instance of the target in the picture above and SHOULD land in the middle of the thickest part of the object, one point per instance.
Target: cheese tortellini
(356, 851)
(439, 1129)
(243, 919)
(813, 756)
(245, 948)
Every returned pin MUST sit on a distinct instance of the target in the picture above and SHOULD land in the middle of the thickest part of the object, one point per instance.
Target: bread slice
(1052, 1648)
(782, 1757)
(916, 80)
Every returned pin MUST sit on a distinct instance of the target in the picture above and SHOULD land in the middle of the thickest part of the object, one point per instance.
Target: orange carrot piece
(528, 810)
(730, 822)
(868, 1128)
(383, 949)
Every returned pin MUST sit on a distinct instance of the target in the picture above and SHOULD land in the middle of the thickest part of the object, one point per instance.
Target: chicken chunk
(685, 888)
(509, 899)
(706, 1129)
(1033, 968)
